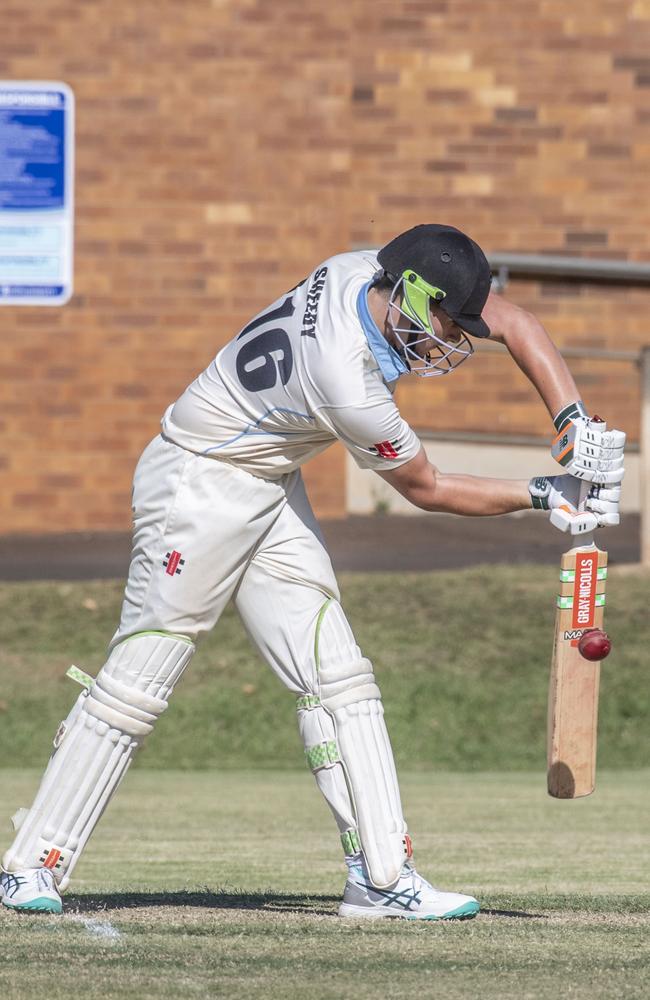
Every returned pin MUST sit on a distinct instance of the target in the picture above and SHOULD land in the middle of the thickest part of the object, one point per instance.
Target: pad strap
(350, 841)
(322, 755)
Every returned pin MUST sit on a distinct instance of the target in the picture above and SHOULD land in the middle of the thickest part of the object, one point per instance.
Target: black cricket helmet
(439, 264)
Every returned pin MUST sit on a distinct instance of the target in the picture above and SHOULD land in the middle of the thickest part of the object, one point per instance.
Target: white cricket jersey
(298, 377)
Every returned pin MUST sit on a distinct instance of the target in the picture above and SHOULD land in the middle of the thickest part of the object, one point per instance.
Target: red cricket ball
(594, 644)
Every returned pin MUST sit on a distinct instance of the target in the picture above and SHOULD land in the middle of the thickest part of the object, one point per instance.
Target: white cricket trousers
(205, 532)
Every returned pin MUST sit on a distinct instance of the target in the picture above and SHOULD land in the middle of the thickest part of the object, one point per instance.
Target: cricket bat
(573, 692)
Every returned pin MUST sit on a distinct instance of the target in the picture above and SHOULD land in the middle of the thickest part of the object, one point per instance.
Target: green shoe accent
(39, 905)
(464, 912)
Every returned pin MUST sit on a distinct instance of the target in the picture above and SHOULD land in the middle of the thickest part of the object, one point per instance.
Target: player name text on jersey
(313, 298)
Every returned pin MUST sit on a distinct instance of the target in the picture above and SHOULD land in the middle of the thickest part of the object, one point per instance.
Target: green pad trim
(80, 676)
(322, 754)
(351, 842)
(167, 635)
(307, 701)
(319, 622)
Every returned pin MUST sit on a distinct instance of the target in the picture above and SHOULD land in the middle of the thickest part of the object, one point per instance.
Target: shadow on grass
(272, 902)
(316, 905)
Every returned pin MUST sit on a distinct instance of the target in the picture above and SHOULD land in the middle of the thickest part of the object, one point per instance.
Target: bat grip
(585, 487)
(587, 539)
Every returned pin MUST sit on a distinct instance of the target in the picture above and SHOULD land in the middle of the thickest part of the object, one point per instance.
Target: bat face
(573, 693)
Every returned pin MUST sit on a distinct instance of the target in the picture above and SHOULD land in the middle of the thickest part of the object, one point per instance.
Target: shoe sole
(40, 905)
(465, 912)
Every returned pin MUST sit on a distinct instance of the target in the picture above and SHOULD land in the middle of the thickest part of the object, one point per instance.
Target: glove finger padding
(608, 520)
(603, 500)
(588, 451)
(608, 478)
(614, 441)
(562, 496)
(578, 523)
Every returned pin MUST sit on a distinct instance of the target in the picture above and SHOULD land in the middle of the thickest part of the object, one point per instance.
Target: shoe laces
(418, 881)
(45, 879)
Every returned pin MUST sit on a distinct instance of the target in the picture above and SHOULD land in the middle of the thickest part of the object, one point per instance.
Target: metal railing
(568, 268)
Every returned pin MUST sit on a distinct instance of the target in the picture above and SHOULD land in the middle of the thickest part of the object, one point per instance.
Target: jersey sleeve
(374, 432)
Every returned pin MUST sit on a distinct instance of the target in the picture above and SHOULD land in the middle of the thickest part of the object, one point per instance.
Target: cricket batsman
(220, 513)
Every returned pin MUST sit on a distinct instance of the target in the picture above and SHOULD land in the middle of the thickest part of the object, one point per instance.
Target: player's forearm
(427, 488)
(533, 351)
(472, 496)
(544, 366)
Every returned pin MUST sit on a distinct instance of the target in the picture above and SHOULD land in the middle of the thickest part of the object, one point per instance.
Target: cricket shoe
(410, 897)
(30, 890)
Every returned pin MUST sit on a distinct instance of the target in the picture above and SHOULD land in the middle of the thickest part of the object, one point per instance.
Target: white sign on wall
(36, 192)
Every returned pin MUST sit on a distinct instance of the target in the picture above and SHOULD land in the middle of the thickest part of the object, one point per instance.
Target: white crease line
(98, 928)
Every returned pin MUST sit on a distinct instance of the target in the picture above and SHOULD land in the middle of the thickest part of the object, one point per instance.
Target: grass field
(226, 884)
(462, 659)
(225, 881)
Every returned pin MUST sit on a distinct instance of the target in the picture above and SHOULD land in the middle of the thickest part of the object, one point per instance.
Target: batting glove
(562, 495)
(586, 449)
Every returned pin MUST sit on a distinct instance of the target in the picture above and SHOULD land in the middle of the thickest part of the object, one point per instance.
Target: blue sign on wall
(36, 192)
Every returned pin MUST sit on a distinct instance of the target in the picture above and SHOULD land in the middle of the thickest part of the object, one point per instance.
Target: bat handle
(587, 539)
(585, 487)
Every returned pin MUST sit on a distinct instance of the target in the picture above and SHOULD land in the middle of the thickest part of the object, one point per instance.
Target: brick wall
(224, 147)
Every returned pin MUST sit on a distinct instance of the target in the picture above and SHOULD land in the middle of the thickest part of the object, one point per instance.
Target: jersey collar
(390, 364)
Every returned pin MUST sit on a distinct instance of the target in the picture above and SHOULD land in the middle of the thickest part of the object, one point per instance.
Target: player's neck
(378, 309)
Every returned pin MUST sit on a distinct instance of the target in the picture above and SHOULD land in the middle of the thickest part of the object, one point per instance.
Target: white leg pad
(350, 695)
(319, 738)
(94, 747)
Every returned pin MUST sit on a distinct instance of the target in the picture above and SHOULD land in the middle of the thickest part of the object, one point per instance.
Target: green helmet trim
(416, 293)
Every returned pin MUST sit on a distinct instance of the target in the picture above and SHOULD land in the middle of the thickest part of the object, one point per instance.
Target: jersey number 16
(267, 356)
